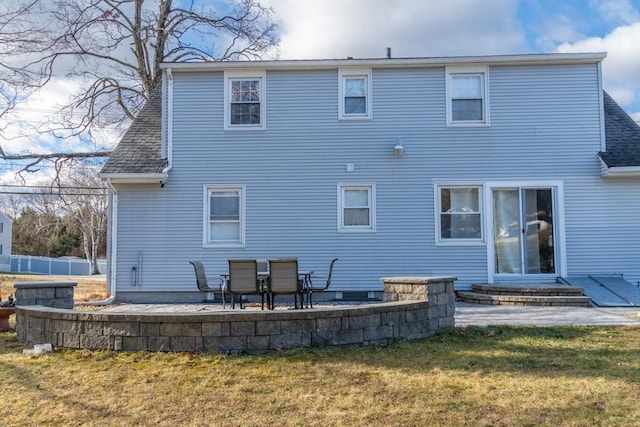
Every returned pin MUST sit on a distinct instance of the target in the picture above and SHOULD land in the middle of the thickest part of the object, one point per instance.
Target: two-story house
(494, 169)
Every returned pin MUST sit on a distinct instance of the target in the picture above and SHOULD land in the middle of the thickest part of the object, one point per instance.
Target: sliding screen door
(523, 231)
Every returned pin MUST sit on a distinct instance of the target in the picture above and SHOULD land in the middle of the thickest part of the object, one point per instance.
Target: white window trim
(230, 75)
(459, 69)
(206, 243)
(372, 209)
(344, 73)
(439, 241)
(558, 225)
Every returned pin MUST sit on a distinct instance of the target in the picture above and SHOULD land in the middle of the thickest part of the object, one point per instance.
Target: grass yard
(496, 376)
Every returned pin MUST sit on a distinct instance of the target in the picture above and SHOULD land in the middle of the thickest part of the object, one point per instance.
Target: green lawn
(497, 376)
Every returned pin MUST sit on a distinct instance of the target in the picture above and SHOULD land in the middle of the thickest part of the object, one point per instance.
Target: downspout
(112, 248)
(168, 134)
(603, 136)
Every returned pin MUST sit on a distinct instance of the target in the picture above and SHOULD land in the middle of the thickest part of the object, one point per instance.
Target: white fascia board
(135, 178)
(621, 172)
(294, 64)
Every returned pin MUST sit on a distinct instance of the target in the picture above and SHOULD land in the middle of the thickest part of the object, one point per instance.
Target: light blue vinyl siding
(544, 126)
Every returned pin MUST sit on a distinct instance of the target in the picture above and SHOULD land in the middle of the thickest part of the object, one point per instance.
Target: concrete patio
(466, 314)
(482, 315)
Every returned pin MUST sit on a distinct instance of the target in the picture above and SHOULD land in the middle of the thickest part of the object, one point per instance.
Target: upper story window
(244, 99)
(224, 216)
(356, 207)
(460, 214)
(467, 98)
(355, 93)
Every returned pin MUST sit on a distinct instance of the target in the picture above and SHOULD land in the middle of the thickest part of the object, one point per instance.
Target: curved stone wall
(248, 331)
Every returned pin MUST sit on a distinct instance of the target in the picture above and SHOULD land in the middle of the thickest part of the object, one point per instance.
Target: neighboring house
(499, 169)
(6, 226)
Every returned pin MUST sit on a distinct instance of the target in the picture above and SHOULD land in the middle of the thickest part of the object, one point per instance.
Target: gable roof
(140, 149)
(622, 136)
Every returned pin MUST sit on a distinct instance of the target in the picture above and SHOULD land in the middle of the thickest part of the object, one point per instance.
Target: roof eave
(548, 58)
(620, 171)
(135, 178)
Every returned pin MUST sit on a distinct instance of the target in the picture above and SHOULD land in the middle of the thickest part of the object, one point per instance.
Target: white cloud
(557, 29)
(337, 29)
(618, 11)
(26, 127)
(621, 67)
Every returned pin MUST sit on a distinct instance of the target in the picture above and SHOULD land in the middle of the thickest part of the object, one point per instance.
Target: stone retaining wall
(245, 331)
(48, 294)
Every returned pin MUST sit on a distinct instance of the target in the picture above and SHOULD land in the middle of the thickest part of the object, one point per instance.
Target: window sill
(244, 128)
(223, 246)
(461, 242)
(468, 125)
(354, 118)
(356, 231)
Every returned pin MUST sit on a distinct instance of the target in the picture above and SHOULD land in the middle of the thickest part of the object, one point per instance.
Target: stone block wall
(249, 331)
(48, 294)
(438, 292)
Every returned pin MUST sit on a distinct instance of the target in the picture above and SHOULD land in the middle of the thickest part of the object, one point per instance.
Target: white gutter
(169, 133)
(293, 64)
(619, 171)
(112, 249)
(622, 172)
(134, 178)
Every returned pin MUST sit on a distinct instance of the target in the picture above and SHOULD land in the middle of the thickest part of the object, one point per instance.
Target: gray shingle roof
(622, 135)
(140, 149)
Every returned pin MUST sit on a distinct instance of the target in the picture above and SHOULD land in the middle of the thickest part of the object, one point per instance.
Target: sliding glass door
(524, 231)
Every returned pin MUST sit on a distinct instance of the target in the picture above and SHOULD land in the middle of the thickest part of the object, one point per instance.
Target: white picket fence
(64, 266)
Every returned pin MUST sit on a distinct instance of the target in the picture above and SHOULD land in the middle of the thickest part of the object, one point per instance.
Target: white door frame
(558, 230)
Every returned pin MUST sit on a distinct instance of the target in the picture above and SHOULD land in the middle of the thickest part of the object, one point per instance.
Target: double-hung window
(355, 93)
(356, 207)
(467, 96)
(460, 214)
(224, 216)
(244, 100)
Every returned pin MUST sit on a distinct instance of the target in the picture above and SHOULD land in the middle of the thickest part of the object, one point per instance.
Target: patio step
(533, 295)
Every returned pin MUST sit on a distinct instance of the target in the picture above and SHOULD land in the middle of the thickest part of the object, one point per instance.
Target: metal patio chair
(203, 283)
(284, 280)
(311, 289)
(243, 280)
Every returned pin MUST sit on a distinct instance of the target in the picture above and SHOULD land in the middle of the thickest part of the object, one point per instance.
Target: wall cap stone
(29, 285)
(220, 315)
(418, 279)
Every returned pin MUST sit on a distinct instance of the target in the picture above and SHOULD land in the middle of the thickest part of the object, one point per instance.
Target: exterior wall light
(398, 150)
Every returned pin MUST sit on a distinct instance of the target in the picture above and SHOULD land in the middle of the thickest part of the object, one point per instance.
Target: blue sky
(365, 28)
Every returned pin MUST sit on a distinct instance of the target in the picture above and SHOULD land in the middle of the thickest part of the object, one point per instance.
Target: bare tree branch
(112, 51)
